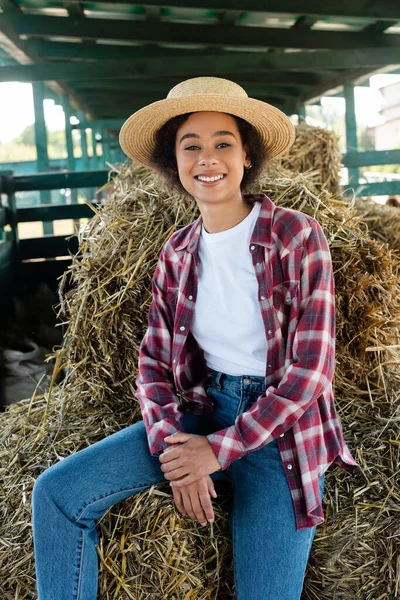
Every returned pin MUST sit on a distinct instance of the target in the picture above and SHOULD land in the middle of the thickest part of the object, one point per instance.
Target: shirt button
(174, 359)
(281, 435)
(190, 297)
(269, 330)
(288, 299)
(289, 466)
(269, 366)
(252, 247)
(262, 297)
(182, 328)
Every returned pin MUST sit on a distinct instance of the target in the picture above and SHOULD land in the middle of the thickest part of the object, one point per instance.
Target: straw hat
(138, 133)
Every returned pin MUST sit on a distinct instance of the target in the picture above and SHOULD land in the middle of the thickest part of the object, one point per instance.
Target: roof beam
(162, 87)
(211, 64)
(336, 83)
(153, 93)
(385, 9)
(74, 8)
(17, 49)
(190, 33)
(124, 110)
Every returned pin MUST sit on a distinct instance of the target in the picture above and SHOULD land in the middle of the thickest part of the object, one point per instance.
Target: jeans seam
(234, 541)
(79, 565)
(91, 502)
(305, 564)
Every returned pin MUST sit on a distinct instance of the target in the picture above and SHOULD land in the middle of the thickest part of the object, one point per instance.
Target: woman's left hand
(190, 458)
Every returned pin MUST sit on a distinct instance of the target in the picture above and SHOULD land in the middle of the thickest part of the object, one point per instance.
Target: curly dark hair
(166, 168)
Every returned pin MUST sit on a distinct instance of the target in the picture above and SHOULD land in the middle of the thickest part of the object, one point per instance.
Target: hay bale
(382, 220)
(107, 316)
(315, 153)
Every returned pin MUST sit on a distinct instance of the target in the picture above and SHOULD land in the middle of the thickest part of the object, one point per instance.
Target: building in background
(386, 136)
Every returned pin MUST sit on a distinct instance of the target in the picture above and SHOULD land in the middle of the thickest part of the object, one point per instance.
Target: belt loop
(217, 380)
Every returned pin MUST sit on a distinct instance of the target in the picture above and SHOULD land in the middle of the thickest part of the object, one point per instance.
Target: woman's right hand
(194, 499)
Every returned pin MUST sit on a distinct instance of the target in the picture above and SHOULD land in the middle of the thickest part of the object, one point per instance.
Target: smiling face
(208, 146)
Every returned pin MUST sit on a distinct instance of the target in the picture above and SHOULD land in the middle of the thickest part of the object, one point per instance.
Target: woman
(246, 288)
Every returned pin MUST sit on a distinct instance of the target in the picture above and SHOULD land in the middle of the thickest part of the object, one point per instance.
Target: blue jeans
(270, 555)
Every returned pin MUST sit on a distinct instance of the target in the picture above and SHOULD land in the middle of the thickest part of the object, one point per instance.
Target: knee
(43, 485)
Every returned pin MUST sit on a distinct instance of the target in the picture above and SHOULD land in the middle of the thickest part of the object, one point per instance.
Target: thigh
(270, 555)
(103, 473)
(85, 484)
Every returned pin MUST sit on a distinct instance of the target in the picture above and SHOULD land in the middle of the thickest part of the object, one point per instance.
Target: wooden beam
(351, 131)
(100, 51)
(371, 158)
(74, 8)
(69, 142)
(68, 134)
(103, 96)
(362, 190)
(354, 76)
(18, 50)
(56, 181)
(48, 246)
(41, 144)
(191, 33)
(4, 216)
(52, 212)
(120, 107)
(390, 9)
(304, 23)
(85, 156)
(250, 82)
(102, 124)
(211, 64)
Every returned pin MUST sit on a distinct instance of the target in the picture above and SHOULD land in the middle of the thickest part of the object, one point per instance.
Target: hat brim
(138, 134)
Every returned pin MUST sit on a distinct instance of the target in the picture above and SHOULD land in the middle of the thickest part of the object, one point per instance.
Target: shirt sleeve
(312, 370)
(155, 388)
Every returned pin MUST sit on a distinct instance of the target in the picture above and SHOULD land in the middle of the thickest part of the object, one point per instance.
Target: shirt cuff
(226, 446)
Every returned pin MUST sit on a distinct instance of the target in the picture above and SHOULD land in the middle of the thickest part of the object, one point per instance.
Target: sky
(16, 106)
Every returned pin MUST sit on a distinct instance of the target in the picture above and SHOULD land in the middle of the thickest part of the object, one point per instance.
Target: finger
(167, 467)
(168, 454)
(186, 479)
(206, 504)
(197, 508)
(179, 501)
(188, 504)
(175, 474)
(211, 488)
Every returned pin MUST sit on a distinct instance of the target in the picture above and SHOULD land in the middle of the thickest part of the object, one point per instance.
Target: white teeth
(209, 178)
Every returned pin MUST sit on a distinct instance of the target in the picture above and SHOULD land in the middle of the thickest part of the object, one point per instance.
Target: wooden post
(105, 144)
(96, 154)
(351, 132)
(301, 113)
(69, 142)
(100, 150)
(84, 148)
(41, 145)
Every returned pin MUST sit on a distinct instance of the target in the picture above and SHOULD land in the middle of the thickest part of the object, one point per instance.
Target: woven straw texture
(137, 135)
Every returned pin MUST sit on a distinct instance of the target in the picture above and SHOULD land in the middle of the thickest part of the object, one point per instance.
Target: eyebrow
(195, 135)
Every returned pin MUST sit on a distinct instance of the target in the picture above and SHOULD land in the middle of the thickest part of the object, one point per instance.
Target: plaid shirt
(293, 267)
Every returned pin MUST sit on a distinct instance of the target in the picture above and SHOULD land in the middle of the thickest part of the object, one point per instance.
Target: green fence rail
(47, 246)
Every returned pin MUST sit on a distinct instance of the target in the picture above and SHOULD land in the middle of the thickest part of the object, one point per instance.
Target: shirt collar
(261, 233)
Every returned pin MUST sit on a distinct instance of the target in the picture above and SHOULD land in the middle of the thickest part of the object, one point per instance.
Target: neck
(222, 216)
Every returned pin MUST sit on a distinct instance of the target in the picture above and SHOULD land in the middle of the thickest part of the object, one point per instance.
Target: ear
(247, 158)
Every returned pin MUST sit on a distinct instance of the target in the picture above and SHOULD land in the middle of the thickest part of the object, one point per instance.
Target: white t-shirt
(227, 322)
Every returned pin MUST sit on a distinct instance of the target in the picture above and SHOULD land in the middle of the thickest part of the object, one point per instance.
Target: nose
(207, 157)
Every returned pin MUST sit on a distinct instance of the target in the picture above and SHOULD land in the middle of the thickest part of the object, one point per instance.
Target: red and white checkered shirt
(293, 267)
